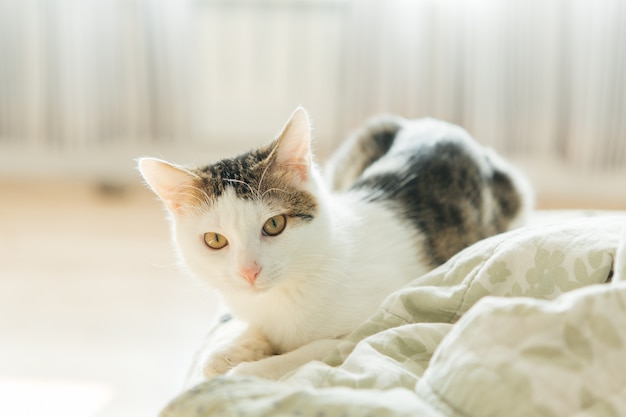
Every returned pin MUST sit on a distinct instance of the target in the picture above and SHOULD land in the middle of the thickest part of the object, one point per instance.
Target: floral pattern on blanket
(512, 325)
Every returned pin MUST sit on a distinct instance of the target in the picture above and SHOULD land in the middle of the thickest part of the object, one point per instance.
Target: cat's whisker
(194, 188)
(252, 190)
(190, 193)
(202, 191)
(193, 196)
(273, 189)
(199, 190)
(262, 177)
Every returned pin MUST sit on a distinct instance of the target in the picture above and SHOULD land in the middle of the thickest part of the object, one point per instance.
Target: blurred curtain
(526, 76)
(93, 73)
(530, 77)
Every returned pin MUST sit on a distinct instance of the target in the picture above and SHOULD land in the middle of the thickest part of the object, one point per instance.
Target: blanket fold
(512, 325)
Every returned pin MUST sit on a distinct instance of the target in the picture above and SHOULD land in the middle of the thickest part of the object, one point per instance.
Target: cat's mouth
(263, 283)
(257, 287)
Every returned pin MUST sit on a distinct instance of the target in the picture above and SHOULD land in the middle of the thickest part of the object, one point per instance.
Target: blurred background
(96, 318)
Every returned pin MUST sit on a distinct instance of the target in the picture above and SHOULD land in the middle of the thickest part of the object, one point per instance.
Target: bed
(527, 323)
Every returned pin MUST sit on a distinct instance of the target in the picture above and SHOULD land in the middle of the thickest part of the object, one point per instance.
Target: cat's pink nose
(250, 273)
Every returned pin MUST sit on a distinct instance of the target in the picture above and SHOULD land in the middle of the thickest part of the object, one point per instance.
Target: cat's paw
(216, 365)
(257, 369)
(248, 350)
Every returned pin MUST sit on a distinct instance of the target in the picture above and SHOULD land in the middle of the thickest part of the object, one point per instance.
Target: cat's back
(428, 152)
(435, 179)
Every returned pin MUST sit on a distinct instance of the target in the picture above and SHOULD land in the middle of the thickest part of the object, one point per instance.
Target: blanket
(527, 323)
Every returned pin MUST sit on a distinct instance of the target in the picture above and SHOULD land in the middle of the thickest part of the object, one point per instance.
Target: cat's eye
(215, 240)
(275, 225)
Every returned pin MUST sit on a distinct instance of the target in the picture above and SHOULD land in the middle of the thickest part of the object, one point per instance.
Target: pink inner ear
(300, 166)
(166, 181)
(303, 172)
(294, 145)
(294, 160)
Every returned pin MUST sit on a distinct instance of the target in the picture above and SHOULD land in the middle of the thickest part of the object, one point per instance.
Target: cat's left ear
(293, 148)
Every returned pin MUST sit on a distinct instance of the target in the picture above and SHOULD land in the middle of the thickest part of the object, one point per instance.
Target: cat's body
(301, 263)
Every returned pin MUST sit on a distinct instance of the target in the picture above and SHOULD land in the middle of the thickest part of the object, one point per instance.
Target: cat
(304, 259)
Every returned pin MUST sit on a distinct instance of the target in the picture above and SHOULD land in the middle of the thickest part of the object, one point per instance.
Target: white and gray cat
(304, 261)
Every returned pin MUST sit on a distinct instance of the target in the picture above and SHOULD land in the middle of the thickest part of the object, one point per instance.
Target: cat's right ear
(167, 181)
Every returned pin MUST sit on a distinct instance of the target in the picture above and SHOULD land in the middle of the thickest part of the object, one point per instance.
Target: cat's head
(249, 223)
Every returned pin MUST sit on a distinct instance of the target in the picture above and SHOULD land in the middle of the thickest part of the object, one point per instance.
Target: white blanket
(511, 326)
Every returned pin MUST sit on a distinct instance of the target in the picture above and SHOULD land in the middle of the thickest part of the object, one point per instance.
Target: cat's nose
(250, 273)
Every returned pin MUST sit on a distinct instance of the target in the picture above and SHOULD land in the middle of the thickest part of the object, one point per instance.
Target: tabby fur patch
(254, 176)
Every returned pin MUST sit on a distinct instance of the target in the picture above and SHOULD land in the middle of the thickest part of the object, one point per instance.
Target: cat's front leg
(250, 346)
(277, 366)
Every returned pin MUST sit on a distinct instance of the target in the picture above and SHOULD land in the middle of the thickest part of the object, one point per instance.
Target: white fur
(318, 280)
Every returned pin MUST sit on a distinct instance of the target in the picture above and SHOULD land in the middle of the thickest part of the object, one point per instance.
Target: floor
(96, 319)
